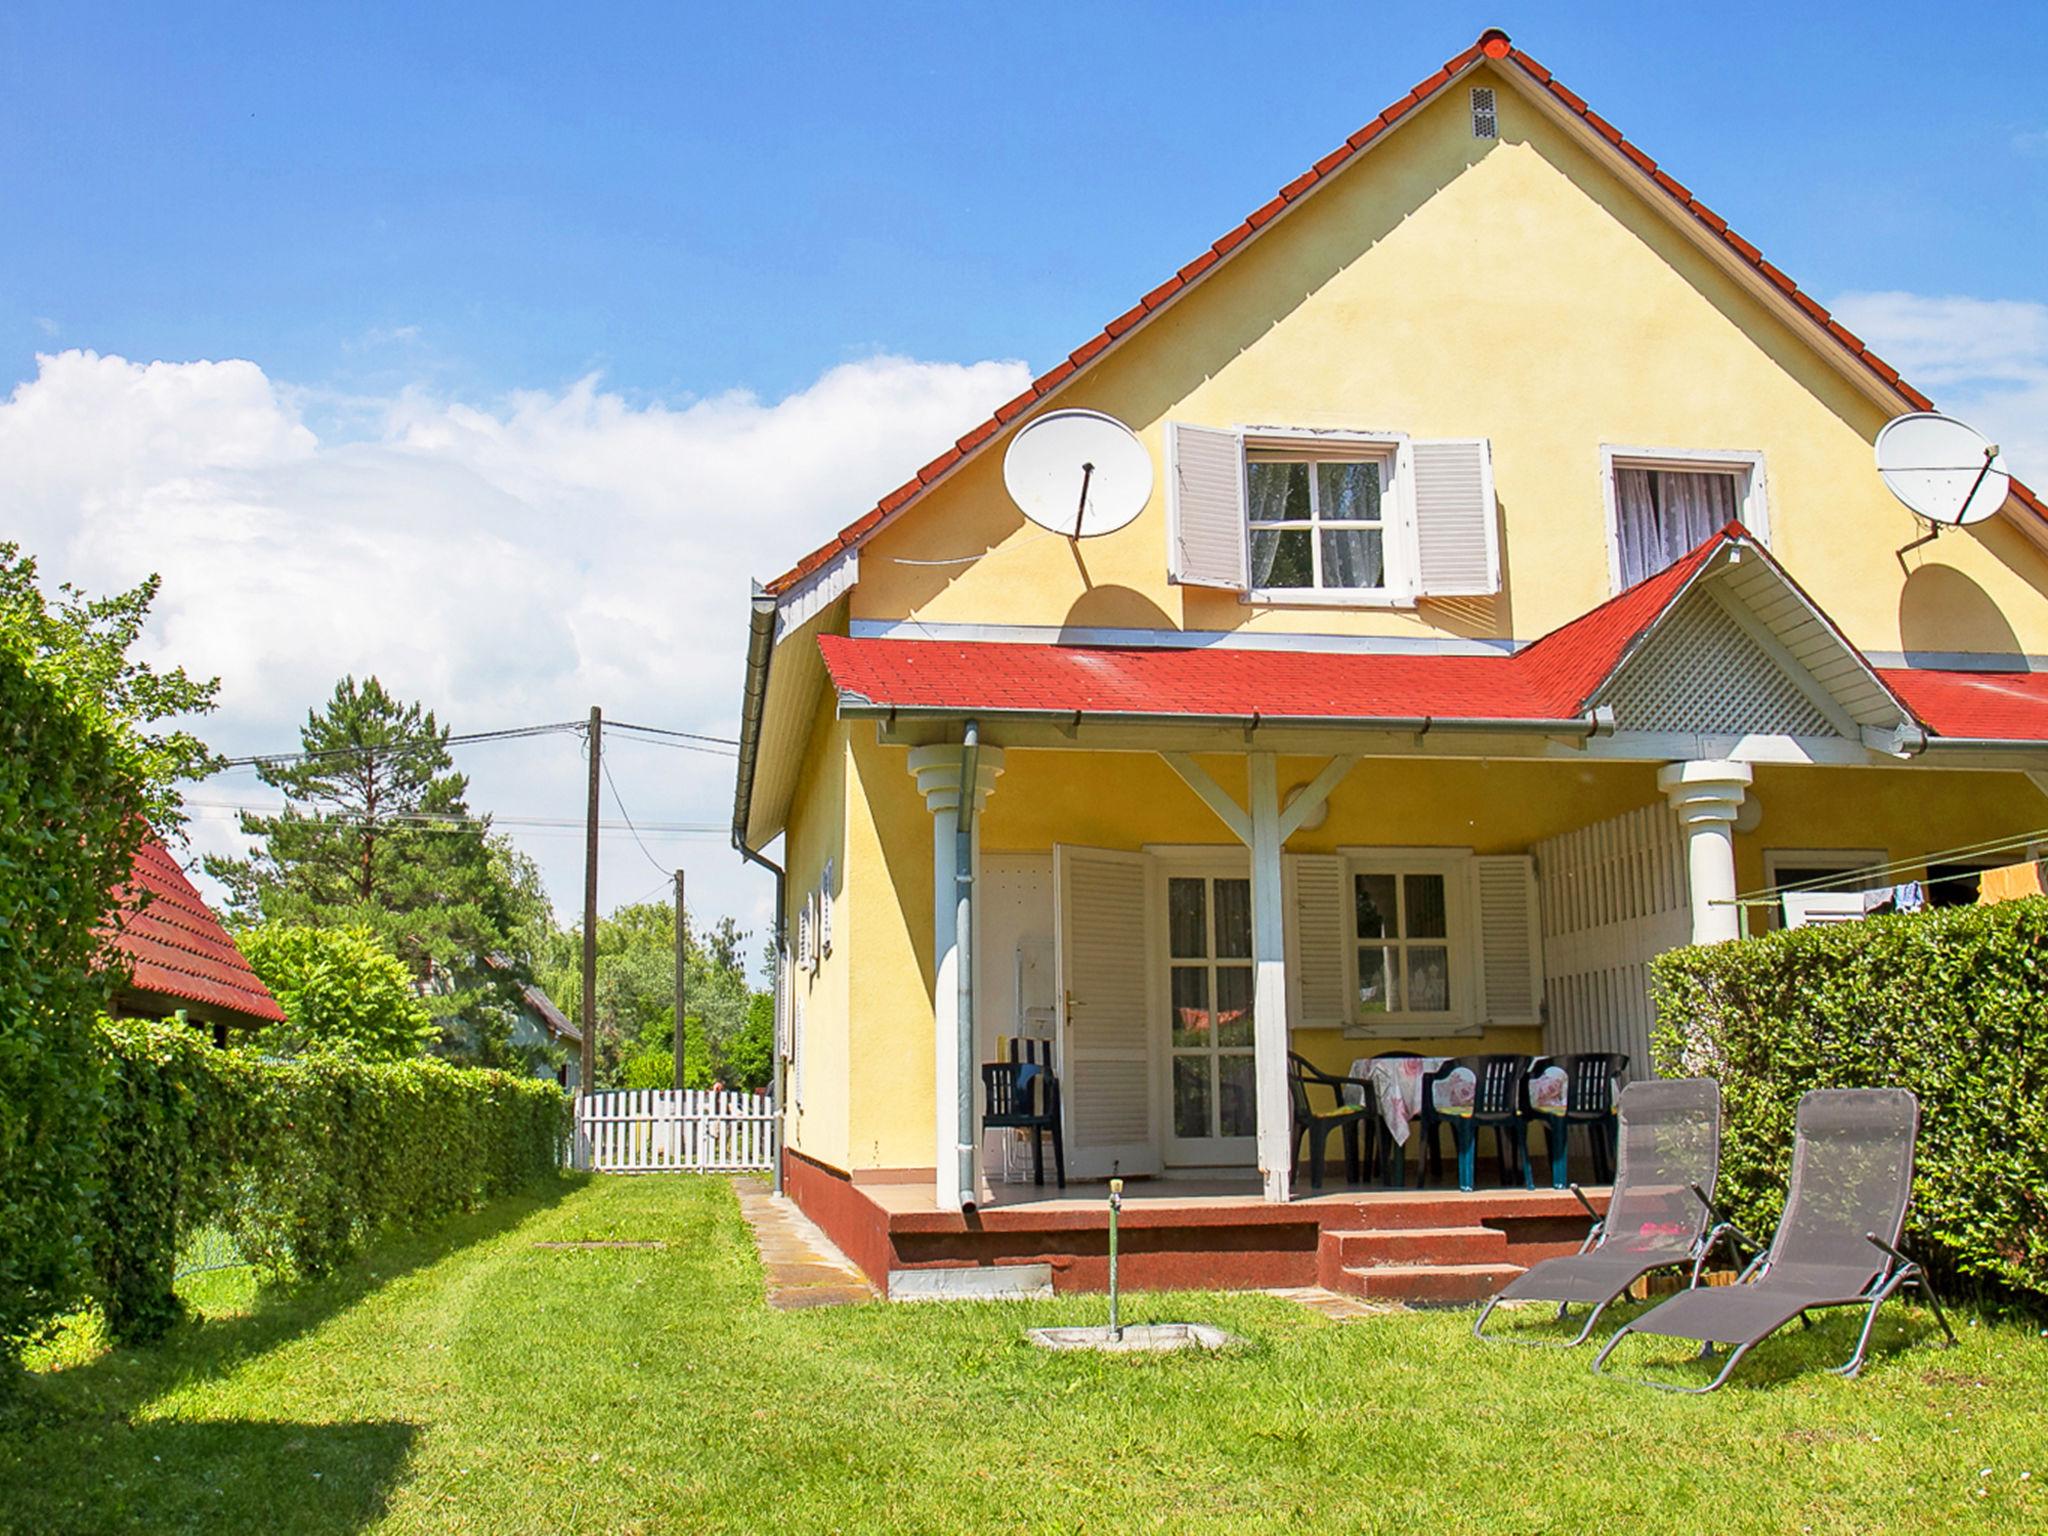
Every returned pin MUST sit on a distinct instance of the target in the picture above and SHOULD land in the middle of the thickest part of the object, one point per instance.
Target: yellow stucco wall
(820, 832)
(1443, 286)
(1447, 286)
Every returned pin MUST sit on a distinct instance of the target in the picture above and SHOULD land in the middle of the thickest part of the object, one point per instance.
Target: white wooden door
(1106, 1035)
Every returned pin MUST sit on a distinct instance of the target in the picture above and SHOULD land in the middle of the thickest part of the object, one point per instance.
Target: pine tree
(377, 833)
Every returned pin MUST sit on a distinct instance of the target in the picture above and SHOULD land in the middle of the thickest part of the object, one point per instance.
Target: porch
(1208, 1232)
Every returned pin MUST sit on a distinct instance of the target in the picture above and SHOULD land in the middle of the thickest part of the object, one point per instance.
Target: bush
(1951, 1004)
(82, 775)
(341, 990)
(301, 1162)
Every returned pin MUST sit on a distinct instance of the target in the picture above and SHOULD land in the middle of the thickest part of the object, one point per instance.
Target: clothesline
(1871, 876)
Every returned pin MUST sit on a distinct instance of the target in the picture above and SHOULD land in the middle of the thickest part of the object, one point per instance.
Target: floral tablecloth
(1398, 1080)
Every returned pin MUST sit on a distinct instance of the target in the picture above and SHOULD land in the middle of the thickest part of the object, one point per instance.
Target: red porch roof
(178, 953)
(1552, 679)
(1492, 44)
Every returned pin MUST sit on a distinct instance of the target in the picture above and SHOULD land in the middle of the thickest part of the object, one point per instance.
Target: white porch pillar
(1708, 795)
(1269, 978)
(937, 770)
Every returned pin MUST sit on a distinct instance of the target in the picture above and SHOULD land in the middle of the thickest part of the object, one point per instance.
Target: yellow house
(1515, 591)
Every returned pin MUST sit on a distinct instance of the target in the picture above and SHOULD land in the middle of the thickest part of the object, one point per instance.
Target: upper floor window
(1300, 516)
(1317, 523)
(1664, 502)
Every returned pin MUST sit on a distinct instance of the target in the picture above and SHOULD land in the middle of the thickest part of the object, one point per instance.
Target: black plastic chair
(1317, 1124)
(1589, 1101)
(1025, 1096)
(1500, 1095)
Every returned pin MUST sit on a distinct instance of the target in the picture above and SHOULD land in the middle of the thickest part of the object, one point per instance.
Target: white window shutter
(1318, 977)
(1205, 507)
(1457, 535)
(825, 911)
(796, 1049)
(1510, 939)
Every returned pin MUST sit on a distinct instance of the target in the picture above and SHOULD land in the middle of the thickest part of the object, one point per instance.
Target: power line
(657, 730)
(449, 821)
(404, 748)
(621, 804)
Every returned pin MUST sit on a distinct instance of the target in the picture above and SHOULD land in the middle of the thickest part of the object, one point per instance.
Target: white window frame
(1843, 859)
(1397, 515)
(1746, 464)
(1460, 937)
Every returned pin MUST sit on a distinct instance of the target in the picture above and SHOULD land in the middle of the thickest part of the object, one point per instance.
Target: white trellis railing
(667, 1130)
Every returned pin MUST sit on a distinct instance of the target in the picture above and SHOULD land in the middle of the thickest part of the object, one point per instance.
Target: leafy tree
(86, 767)
(634, 1046)
(377, 834)
(340, 990)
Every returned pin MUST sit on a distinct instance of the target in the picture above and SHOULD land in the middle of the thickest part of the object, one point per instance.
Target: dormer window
(1664, 502)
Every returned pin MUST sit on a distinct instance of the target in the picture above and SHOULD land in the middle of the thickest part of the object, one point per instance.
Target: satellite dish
(1942, 469)
(1080, 473)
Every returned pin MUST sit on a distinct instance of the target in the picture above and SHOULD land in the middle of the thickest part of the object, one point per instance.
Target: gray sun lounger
(1836, 1246)
(1659, 1216)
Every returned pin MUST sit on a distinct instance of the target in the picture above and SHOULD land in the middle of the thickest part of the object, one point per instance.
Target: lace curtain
(1664, 513)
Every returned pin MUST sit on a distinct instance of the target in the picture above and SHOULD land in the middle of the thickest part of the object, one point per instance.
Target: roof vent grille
(1485, 123)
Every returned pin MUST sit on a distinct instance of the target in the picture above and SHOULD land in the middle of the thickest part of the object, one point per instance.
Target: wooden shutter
(1510, 939)
(1205, 508)
(1457, 535)
(1318, 974)
(1104, 959)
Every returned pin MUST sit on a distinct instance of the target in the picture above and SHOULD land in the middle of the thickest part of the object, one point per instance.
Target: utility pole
(587, 1067)
(680, 951)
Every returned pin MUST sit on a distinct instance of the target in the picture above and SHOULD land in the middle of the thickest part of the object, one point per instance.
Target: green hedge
(1951, 1004)
(301, 1162)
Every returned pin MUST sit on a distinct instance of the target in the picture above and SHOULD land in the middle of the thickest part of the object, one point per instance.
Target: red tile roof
(178, 953)
(1492, 44)
(1995, 706)
(1554, 678)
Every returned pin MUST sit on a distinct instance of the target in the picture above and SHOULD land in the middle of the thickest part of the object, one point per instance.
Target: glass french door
(1210, 1088)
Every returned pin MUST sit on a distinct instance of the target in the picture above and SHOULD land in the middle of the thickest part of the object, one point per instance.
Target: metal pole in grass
(1116, 1204)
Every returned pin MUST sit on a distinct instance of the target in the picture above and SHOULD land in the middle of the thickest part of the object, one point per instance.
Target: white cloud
(1985, 360)
(506, 563)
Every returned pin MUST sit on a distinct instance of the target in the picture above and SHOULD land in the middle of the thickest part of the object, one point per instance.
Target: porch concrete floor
(1225, 1191)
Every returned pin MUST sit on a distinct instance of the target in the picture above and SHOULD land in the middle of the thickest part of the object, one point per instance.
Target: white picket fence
(691, 1130)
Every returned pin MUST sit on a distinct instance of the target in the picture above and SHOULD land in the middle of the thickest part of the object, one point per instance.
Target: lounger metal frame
(1900, 1271)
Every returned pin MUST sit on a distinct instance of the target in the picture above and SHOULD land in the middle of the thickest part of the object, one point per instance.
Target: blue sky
(446, 343)
(691, 198)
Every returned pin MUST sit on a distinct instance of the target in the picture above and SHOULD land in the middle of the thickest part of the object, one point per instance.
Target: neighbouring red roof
(178, 951)
(1492, 44)
(1554, 678)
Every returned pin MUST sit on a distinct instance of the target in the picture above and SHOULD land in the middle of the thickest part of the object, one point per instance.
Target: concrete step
(1369, 1246)
(1426, 1285)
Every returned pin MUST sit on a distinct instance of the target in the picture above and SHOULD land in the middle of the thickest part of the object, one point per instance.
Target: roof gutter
(1985, 744)
(1595, 722)
(760, 654)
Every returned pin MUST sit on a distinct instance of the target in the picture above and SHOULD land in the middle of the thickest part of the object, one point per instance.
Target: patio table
(1397, 1081)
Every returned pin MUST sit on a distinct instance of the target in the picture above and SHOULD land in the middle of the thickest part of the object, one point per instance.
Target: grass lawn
(474, 1382)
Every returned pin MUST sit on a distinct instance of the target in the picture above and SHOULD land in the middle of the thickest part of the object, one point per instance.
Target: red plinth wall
(1409, 1245)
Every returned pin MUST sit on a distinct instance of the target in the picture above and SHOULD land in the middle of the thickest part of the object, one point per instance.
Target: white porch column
(1708, 795)
(1269, 977)
(937, 770)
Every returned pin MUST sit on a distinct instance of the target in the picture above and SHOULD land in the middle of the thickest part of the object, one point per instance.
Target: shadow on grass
(74, 1429)
(1792, 1354)
(170, 1474)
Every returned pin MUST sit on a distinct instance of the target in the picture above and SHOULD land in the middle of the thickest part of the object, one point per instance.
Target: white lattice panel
(1703, 673)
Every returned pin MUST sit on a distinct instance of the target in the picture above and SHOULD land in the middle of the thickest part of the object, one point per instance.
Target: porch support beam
(1313, 794)
(1708, 795)
(1214, 795)
(938, 770)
